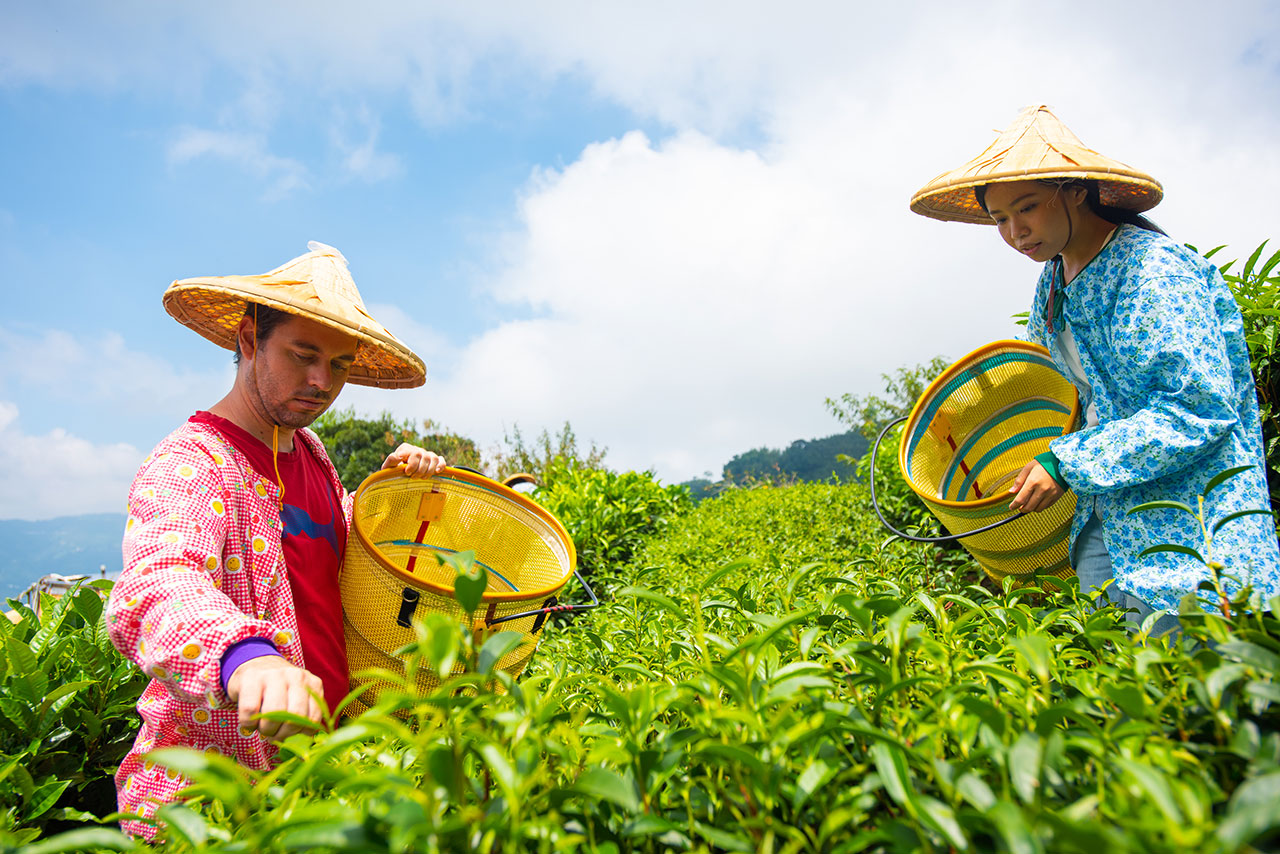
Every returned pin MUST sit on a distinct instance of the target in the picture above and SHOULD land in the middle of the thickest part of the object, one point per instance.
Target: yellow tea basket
(390, 572)
(969, 435)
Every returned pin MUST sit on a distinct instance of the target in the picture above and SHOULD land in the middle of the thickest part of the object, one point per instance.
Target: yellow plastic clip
(431, 507)
(940, 427)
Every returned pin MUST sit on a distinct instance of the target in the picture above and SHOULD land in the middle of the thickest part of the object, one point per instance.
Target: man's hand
(1036, 489)
(269, 683)
(418, 462)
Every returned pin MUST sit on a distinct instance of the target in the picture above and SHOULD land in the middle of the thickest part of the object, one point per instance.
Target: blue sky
(680, 227)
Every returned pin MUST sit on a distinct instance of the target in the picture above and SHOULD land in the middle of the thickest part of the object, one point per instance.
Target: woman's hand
(1036, 489)
(418, 462)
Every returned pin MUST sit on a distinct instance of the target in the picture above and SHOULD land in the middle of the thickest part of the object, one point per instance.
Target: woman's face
(1031, 216)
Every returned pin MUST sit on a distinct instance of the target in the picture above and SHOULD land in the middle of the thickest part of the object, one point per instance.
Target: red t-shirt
(314, 538)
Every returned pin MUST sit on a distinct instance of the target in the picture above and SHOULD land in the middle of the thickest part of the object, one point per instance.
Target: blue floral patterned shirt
(1162, 344)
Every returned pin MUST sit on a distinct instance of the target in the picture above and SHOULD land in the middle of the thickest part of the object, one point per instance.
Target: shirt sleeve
(242, 651)
(166, 612)
(1169, 369)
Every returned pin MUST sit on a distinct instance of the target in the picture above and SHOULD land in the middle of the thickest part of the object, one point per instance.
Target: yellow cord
(275, 461)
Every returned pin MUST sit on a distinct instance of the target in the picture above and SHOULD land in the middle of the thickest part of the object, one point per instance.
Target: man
(238, 523)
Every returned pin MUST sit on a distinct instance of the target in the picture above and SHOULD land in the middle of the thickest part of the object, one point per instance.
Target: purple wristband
(240, 652)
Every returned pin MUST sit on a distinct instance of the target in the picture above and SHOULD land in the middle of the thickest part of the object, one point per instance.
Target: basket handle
(875, 505)
(548, 610)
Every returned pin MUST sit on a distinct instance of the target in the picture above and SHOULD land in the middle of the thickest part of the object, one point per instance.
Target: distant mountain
(68, 545)
(803, 460)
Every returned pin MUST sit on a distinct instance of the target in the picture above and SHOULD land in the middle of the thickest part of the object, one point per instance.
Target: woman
(1153, 341)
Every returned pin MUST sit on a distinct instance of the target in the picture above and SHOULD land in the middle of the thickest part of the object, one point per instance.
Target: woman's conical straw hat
(1036, 146)
(317, 286)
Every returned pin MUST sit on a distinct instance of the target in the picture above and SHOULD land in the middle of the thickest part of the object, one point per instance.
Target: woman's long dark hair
(1092, 197)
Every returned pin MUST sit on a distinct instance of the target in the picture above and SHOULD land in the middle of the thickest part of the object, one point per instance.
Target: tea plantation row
(767, 675)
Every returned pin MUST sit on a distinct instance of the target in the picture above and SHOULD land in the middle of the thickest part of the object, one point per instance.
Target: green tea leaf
(184, 823)
(608, 785)
(1013, 829)
(666, 603)
(1222, 477)
(942, 818)
(815, 775)
(1161, 505)
(1024, 766)
(728, 569)
(1172, 547)
(1156, 787)
(975, 790)
(892, 767)
(1238, 514)
(495, 648)
(470, 581)
(84, 839)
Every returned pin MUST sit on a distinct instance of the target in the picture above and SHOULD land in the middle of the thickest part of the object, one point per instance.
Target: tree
(758, 464)
(545, 454)
(816, 460)
(868, 414)
(357, 446)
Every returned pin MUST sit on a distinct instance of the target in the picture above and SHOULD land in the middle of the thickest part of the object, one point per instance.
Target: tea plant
(1257, 291)
(824, 691)
(66, 713)
(608, 514)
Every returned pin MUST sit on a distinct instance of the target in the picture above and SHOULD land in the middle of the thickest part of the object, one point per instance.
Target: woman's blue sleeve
(1169, 379)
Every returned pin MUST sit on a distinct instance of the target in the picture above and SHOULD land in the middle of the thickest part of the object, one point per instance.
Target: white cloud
(360, 156)
(685, 299)
(59, 473)
(692, 301)
(283, 175)
(102, 370)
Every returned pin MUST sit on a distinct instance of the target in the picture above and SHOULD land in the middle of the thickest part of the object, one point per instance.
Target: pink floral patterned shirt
(203, 569)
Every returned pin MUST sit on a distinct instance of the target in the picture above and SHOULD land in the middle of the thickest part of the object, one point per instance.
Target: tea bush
(66, 714)
(774, 675)
(608, 514)
(1257, 291)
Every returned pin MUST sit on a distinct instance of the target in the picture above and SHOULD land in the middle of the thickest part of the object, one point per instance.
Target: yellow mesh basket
(390, 573)
(969, 435)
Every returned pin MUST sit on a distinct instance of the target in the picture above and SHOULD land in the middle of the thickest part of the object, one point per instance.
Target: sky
(680, 227)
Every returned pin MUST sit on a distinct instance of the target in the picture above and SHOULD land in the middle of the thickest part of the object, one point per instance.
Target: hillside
(68, 545)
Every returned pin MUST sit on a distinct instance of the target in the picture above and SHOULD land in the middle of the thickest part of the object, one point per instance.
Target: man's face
(301, 367)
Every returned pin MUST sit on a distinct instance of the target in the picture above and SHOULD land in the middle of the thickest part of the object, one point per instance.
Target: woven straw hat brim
(1036, 146)
(213, 306)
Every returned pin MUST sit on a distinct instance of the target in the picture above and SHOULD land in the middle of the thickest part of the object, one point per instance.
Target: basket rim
(479, 480)
(961, 364)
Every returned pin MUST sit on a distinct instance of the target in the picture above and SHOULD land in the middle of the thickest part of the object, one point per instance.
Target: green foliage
(759, 465)
(809, 460)
(608, 514)
(815, 460)
(358, 446)
(546, 455)
(770, 678)
(1257, 292)
(66, 713)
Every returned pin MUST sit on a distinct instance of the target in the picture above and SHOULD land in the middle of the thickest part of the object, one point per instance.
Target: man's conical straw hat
(317, 286)
(1036, 146)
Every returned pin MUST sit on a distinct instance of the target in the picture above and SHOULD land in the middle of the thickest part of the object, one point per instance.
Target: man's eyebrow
(308, 347)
